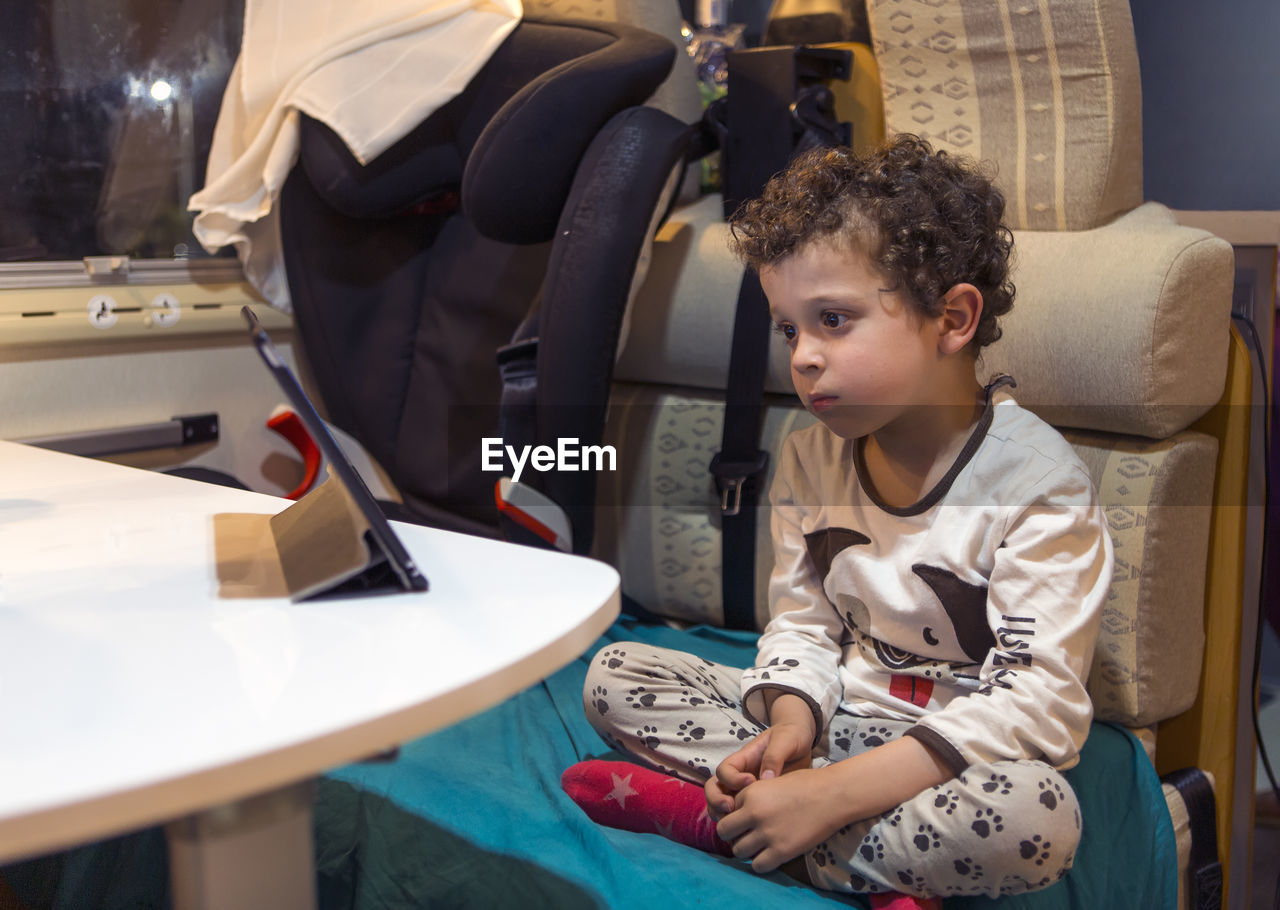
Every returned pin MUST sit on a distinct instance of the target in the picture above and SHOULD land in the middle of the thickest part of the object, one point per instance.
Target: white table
(133, 692)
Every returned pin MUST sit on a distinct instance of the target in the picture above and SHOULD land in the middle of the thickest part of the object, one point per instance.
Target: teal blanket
(473, 817)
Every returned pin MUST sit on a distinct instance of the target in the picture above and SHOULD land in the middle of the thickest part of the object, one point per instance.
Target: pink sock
(892, 900)
(622, 795)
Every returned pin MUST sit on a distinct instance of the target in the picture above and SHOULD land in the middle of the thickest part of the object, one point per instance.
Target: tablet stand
(325, 546)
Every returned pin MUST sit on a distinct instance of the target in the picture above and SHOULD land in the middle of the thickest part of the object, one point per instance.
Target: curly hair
(927, 219)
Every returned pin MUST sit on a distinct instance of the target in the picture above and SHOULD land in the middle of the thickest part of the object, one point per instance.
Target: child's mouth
(822, 402)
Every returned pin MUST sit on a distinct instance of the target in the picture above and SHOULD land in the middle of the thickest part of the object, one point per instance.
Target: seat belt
(740, 466)
(775, 109)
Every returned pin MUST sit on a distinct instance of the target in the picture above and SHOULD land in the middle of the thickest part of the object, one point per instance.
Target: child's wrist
(789, 708)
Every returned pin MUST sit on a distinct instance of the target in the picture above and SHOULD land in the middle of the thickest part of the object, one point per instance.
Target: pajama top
(972, 613)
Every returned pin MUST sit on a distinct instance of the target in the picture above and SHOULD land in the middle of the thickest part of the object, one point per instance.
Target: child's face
(862, 357)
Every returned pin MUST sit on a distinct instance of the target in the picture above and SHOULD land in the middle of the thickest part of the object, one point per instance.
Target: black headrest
(520, 170)
(512, 138)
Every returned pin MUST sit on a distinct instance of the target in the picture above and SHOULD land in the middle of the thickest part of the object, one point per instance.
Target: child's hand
(785, 746)
(776, 820)
(780, 748)
(779, 819)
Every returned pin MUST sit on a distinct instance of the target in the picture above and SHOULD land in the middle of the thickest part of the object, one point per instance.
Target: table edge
(43, 831)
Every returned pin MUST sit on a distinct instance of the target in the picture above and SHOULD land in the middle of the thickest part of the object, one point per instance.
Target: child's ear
(961, 310)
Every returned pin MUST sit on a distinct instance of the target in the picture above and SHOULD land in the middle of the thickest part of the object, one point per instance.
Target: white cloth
(974, 616)
(371, 71)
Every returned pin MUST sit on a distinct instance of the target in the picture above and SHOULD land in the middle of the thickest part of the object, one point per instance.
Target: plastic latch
(733, 476)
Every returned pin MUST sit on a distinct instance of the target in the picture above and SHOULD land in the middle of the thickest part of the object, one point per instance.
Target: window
(107, 109)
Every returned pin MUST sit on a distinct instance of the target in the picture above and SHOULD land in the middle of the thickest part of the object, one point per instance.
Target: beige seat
(1121, 336)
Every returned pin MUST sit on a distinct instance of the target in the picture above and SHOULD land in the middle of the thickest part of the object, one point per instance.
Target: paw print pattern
(688, 698)
(1036, 848)
(699, 691)
(910, 880)
(945, 800)
(857, 883)
(843, 738)
(648, 737)
(968, 868)
(699, 767)
(997, 782)
(1050, 794)
(823, 856)
(986, 822)
(598, 694)
(640, 696)
(736, 729)
(926, 839)
(896, 818)
(872, 848)
(702, 679)
(875, 736)
(1014, 884)
(612, 658)
(690, 732)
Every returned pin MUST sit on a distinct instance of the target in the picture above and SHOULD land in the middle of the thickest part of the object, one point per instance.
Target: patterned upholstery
(657, 517)
(1049, 91)
(1157, 496)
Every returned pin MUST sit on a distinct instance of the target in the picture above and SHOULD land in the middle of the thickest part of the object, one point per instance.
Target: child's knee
(615, 664)
(611, 673)
(601, 677)
(1053, 826)
(1041, 819)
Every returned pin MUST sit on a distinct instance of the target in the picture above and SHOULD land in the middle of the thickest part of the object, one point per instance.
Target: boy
(940, 567)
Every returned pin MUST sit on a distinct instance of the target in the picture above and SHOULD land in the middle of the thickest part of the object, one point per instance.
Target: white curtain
(371, 71)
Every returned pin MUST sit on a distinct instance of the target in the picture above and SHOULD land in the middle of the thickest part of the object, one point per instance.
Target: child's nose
(807, 353)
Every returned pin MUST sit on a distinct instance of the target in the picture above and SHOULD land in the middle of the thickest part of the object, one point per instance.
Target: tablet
(380, 536)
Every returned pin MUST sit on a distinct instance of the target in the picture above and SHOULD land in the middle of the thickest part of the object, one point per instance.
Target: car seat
(537, 182)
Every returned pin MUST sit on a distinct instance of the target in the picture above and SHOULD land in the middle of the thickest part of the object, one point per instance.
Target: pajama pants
(998, 828)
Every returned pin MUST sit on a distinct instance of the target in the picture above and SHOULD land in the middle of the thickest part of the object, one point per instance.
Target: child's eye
(834, 320)
(785, 329)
